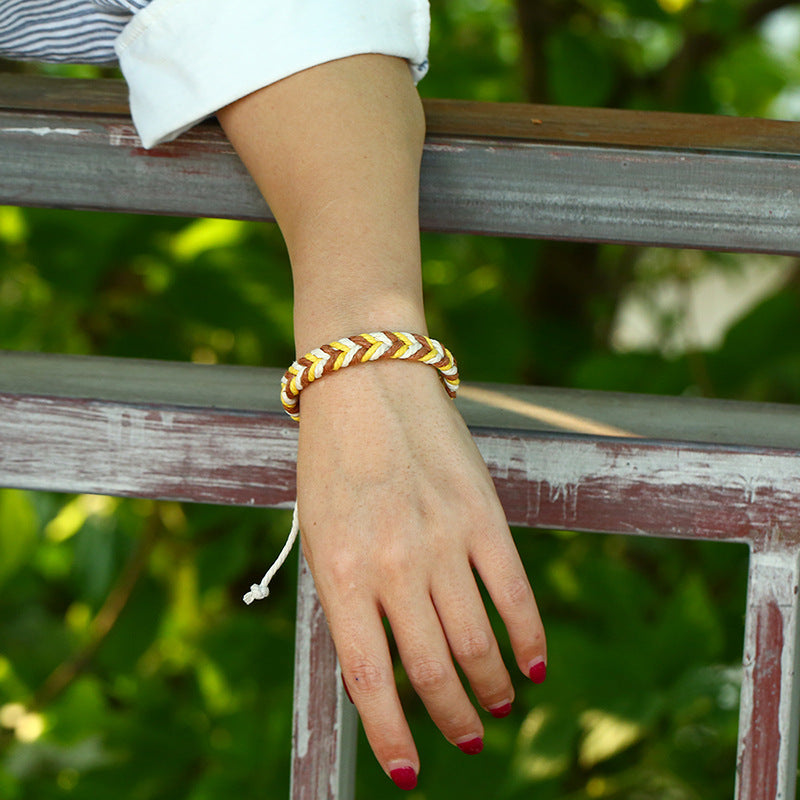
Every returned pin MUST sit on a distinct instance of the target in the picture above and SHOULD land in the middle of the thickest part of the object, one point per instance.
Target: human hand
(396, 510)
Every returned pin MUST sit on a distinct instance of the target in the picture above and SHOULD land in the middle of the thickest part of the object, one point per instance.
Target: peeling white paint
(566, 463)
(47, 131)
(109, 448)
(444, 148)
(302, 679)
(750, 485)
(123, 136)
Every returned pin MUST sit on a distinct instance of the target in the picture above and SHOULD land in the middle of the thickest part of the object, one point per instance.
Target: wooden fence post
(766, 766)
(325, 721)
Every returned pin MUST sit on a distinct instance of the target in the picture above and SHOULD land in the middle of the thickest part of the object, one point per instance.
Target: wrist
(315, 326)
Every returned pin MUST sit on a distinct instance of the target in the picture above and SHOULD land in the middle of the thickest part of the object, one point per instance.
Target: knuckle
(517, 592)
(428, 675)
(343, 569)
(394, 561)
(474, 645)
(365, 677)
(501, 690)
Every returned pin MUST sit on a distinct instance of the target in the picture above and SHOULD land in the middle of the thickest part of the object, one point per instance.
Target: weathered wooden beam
(514, 121)
(529, 122)
(537, 171)
(584, 461)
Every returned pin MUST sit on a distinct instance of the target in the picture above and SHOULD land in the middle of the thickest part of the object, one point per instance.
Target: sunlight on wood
(551, 416)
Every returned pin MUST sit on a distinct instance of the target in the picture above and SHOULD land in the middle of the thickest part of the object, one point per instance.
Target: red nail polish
(501, 711)
(472, 747)
(538, 672)
(404, 778)
(347, 691)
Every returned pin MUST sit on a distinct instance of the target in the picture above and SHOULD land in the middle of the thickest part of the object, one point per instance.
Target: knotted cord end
(260, 591)
(257, 592)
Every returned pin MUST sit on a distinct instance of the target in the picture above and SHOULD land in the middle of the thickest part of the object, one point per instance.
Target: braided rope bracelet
(344, 353)
(359, 350)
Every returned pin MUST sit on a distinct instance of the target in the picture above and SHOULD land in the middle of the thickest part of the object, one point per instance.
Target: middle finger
(472, 641)
(425, 654)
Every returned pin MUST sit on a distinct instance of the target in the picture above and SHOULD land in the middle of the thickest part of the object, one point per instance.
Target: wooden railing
(650, 466)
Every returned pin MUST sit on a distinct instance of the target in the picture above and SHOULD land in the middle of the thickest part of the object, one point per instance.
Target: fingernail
(537, 670)
(500, 711)
(471, 747)
(346, 690)
(404, 778)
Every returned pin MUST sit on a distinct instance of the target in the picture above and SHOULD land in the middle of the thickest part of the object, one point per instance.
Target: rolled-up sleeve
(185, 59)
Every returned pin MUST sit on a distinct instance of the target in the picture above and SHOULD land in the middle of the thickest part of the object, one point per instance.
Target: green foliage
(571, 57)
(18, 532)
(173, 689)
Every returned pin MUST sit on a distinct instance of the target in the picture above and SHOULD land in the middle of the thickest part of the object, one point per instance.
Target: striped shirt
(76, 31)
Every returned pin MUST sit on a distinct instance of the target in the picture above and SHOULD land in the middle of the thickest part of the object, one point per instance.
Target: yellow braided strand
(408, 343)
(375, 345)
(343, 351)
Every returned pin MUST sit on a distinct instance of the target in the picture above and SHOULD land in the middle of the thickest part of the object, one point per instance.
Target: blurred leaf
(135, 630)
(544, 745)
(689, 627)
(748, 78)
(604, 736)
(580, 69)
(96, 558)
(80, 711)
(46, 760)
(18, 531)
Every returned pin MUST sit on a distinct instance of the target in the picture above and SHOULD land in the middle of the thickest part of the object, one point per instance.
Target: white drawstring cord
(259, 591)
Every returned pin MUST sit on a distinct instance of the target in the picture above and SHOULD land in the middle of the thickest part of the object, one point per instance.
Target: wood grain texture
(609, 126)
(544, 479)
(167, 452)
(545, 172)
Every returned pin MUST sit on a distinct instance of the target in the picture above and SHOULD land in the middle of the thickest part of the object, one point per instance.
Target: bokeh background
(128, 664)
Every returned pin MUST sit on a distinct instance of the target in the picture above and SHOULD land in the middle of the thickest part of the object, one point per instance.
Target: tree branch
(103, 623)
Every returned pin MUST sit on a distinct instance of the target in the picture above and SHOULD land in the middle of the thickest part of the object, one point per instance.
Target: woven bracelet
(360, 349)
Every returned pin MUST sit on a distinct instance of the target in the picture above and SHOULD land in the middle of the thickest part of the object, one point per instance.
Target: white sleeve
(185, 59)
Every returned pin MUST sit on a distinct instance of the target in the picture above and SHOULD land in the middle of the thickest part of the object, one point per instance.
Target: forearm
(336, 152)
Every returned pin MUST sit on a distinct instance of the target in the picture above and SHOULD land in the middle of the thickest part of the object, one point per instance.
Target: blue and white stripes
(77, 31)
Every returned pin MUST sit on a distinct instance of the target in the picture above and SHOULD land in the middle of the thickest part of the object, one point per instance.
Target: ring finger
(426, 657)
(473, 643)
